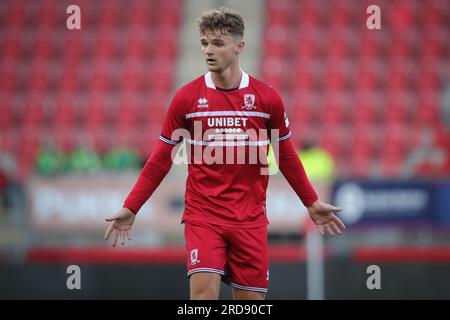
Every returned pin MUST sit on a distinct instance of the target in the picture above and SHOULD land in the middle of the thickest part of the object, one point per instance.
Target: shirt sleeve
(292, 168)
(288, 161)
(154, 171)
(160, 162)
(175, 119)
(278, 118)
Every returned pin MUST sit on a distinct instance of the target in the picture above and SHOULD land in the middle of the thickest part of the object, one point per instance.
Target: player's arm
(154, 171)
(160, 161)
(323, 214)
(290, 165)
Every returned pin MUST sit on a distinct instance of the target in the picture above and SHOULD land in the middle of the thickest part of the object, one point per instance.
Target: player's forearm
(292, 169)
(154, 171)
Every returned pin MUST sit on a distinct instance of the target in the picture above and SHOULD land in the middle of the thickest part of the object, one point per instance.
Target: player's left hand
(323, 215)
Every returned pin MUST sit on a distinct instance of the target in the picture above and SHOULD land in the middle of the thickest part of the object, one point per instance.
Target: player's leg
(205, 286)
(239, 294)
(206, 258)
(248, 262)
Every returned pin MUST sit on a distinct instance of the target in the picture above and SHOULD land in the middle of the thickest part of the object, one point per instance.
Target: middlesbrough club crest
(194, 257)
(249, 102)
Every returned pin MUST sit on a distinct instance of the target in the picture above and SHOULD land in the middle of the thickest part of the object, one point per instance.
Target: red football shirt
(226, 148)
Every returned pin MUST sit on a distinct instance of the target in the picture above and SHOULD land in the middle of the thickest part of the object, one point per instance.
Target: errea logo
(202, 103)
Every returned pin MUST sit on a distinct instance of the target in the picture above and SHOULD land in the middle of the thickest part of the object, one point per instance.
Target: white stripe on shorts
(235, 285)
(212, 270)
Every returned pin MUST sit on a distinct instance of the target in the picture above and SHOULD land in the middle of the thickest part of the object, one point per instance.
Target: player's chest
(227, 112)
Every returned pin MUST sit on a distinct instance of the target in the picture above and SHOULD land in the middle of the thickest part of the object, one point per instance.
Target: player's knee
(208, 291)
(247, 295)
(205, 287)
(204, 293)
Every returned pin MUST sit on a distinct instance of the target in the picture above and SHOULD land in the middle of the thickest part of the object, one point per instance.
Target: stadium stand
(360, 92)
(106, 85)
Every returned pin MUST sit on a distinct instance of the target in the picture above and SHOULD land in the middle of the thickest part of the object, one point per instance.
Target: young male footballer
(227, 117)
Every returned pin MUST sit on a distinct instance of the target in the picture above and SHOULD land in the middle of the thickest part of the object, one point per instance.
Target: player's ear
(240, 46)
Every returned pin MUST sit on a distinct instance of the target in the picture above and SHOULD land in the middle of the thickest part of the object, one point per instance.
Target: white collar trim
(244, 80)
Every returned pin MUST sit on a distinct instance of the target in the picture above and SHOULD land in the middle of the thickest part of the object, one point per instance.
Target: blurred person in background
(3, 186)
(445, 105)
(7, 181)
(445, 112)
(51, 162)
(430, 158)
(84, 160)
(318, 162)
(225, 214)
(121, 159)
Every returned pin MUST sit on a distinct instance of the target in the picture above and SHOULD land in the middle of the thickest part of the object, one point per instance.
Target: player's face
(220, 50)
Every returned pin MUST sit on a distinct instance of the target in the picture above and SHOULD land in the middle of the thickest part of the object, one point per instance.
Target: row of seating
(106, 85)
(364, 95)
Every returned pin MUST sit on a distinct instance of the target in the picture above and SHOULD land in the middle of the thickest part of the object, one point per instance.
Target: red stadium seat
(63, 139)
(391, 85)
(64, 115)
(364, 114)
(57, 60)
(6, 113)
(359, 166)
(11, 45)
(301, 111)
(331, 140)
(16, 13)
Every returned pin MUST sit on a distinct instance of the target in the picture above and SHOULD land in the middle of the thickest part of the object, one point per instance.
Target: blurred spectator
(3, 186)
(271, 162)
(429, 158)
(318, 163)
(51, 162)
(445, 105)
(121, 159)
(7, 169)
(445, 134)
(83, 160)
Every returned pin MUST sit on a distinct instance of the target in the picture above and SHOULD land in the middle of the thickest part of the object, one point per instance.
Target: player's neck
(229, 78)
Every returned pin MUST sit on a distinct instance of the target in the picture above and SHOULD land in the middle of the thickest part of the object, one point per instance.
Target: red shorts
(238, 254)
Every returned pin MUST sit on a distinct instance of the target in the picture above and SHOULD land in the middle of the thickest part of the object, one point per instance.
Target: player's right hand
(121, 224)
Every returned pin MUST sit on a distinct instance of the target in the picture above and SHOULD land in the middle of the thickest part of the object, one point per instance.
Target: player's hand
(323, 215)
(121, 224)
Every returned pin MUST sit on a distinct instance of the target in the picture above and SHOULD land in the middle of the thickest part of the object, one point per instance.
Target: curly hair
(223, 19)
